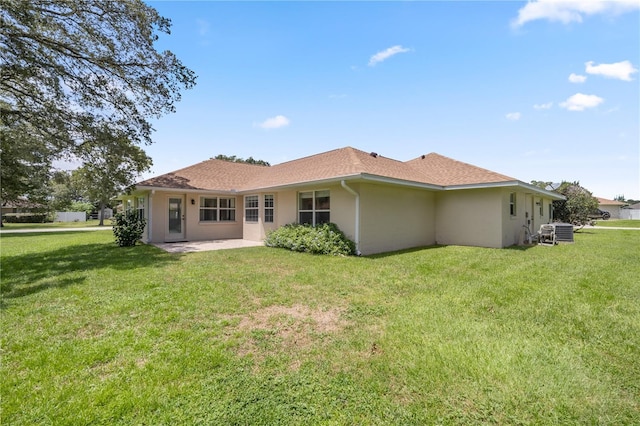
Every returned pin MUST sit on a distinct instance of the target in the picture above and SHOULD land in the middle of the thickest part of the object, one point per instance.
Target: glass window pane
(251, 215)
(251, 201)
(306, 217)
(322, 200)
(268, 200)
(207, 215)
(305, 201)
(268, 215)
(208, 202)
(322, 217)
(227, 215)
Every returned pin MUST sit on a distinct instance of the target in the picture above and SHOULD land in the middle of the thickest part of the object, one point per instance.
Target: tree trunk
(101, 214)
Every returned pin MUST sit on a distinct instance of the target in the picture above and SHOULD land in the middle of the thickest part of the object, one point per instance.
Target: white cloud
(580, 102)
(567, 11)
(548, 105)
(274, 122)
(575, 78)
(386, 54)
(513, 116)
(620, 70)
(203, 26)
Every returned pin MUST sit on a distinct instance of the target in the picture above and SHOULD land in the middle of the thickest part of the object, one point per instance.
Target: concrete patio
(195, 246)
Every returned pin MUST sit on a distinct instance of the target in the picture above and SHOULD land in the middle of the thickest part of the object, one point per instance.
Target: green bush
(128, 228)
(25, 218)
(320, 239)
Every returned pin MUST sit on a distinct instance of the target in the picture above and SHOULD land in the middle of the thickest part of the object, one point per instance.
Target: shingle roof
(445, 171)
(606, 202)
(208, 175)
(433, 169)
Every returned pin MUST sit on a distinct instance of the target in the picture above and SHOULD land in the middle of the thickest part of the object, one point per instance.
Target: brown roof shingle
(445, 171)
(433, 169)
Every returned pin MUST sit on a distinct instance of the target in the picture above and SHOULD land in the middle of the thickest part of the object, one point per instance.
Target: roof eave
(507, 184)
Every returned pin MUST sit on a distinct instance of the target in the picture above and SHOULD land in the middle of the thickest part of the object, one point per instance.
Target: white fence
(633, 214)
(71, 217)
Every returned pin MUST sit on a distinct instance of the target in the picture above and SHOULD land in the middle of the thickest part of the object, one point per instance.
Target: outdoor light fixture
(193, 202)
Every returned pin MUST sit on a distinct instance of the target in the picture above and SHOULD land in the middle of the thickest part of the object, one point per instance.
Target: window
(251, 208)
(268, 208)
(314, 207)
(141, 203)
(129, 205)
(217, 209)
(512, 204)
(227, 208)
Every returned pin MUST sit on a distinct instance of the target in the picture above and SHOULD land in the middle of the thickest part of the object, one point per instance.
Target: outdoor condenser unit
(564, 232)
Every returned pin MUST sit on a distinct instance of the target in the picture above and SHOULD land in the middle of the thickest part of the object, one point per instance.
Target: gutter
(357, 231)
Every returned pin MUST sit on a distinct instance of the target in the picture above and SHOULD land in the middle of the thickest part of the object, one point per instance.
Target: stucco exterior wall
(471, 217)
(395, 218)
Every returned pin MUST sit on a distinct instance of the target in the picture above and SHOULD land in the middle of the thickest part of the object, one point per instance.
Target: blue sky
(542, 90)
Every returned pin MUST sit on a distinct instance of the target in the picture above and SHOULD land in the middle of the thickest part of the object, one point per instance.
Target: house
(611, 206)
(380, 203)
(631, 212)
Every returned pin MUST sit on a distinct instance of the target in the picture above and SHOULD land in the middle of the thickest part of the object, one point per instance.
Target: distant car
(600, 214)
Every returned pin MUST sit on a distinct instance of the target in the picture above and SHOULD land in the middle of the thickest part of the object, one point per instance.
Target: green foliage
(320, 239)
(25, 218)
(578, 205)
(81, 206)
(234, 159)
(71, 69)
(128, 228)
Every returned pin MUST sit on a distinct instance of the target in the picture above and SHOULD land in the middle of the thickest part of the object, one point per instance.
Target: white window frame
(140, 207)
(269, 208)
(513, 204)
(218, 209)
(251, 208)
(314, 208)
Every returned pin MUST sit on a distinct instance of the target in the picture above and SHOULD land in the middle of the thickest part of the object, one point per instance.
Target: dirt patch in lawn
(284, 329)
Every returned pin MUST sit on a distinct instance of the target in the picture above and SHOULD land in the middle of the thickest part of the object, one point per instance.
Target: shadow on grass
(404, 251)
(30, 273)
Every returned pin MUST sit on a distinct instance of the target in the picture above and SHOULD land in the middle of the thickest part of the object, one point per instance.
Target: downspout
(357, 231)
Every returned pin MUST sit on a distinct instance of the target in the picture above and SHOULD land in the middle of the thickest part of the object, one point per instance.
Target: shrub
(25, 218)
(128, 228)
(321, 239)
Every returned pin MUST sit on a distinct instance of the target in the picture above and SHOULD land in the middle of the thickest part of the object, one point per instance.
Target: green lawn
(88, 223)
(96, 334)
(619, 223)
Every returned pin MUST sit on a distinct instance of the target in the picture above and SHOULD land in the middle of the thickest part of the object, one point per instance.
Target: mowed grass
(621, 223)
(96, 334)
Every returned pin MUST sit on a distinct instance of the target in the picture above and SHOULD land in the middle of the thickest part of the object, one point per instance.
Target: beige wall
(470, 217)
(395, 218)
(194, 230)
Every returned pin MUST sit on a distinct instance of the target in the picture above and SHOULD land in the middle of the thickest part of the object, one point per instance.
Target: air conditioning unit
(564, 232)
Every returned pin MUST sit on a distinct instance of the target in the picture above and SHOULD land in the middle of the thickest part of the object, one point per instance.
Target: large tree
(71, 68)
(113, 163)
(577, 206)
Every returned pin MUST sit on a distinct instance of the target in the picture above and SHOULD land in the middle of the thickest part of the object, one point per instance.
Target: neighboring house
(630, 212)
(380, 203)
(611, 206)
(20, 206)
